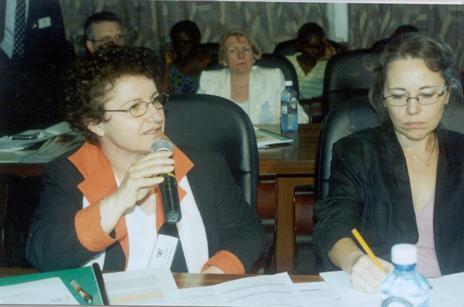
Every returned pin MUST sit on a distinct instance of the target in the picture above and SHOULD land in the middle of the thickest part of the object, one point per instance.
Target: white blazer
(266, 85)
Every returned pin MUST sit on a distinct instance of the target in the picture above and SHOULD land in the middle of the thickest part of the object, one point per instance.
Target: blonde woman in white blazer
(257, 90)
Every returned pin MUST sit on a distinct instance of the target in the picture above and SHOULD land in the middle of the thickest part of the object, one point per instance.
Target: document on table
(446, 290)
(147, 287)
(340, 282)
(320, 294)
(263, 290)
(29, 138)
(265, 138)
(46, 291)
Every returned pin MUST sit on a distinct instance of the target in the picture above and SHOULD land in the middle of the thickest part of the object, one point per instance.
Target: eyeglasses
(233, 50)
(140, 108)
(398, 100)
(117, 39)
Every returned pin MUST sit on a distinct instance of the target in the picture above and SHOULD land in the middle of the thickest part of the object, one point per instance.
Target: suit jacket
(266, 86)
(30, 87)
(369, 189)
(230, 223)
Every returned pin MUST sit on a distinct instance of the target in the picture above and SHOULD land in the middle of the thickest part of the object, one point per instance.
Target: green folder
(89, 278)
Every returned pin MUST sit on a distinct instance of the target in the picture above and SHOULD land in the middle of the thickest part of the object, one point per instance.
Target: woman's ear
(96, 127)
(447, 96)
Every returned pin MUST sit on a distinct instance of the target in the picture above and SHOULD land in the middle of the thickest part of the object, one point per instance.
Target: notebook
(89, 278)
(265, 138)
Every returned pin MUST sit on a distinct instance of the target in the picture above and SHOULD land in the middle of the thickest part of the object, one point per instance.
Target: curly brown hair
(92, 78)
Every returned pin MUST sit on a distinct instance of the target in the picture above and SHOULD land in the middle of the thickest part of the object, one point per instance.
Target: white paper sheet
(340, 282)
(447, 291)
(263, 290)
(147, 287)
(45, 291)
(319, 294)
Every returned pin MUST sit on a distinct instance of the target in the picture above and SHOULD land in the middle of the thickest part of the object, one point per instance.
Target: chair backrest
(289, 47)
(217, 124)
(269, 60)
(354, 115)
(285, 48)
(344, 119)
(347, 76)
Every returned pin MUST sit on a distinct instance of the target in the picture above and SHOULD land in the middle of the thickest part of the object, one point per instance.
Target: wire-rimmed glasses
(140, 108)
(398, 100)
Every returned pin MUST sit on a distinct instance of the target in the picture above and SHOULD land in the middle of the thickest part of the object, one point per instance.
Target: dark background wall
(148, 22)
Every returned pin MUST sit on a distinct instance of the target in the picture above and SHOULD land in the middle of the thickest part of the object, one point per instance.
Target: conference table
(183, 280)
(292, 165)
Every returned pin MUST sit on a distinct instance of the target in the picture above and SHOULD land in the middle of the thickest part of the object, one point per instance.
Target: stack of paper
(265, 138)
(29, 138)
(157, 287)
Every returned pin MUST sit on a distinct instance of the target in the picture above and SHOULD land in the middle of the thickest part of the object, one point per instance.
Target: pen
(366, 248)
(84, 294)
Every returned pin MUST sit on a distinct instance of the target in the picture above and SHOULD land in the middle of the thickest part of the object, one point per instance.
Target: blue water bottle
(404, 286)
(289, 109)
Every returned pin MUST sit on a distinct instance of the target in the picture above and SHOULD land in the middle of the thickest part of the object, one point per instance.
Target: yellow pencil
(366, 248)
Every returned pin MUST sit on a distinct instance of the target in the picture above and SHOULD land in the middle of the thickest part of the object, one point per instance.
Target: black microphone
(168, 187)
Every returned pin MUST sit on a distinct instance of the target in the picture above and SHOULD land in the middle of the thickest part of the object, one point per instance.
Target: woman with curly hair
(101, 203)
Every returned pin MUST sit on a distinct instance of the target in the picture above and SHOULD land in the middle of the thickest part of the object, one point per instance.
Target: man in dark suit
(33, 55)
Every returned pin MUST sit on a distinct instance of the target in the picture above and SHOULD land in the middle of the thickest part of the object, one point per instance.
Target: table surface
(296, 159)
(183, 280)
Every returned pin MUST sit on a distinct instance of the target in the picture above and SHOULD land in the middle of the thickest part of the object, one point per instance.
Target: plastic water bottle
(289, 109)
(404, 286)
(265, 114)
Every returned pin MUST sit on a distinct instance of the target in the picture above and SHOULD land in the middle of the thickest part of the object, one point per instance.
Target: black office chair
(269, 60)
(285, 48)
(289, 47)
(344, 119)
(217, 124)
(347, 76)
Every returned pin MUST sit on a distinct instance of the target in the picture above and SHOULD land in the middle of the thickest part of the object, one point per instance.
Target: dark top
(230, 223)
(369, 189)
(30, 86)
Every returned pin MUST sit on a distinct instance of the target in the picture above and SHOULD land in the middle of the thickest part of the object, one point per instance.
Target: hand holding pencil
(368, 271)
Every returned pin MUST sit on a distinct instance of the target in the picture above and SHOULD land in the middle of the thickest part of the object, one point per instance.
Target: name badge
(163, 252)
(44, 22)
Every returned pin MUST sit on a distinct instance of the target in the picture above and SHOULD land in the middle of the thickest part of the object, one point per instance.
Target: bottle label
(284, 109)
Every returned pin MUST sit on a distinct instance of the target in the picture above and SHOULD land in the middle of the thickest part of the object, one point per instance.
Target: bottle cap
(288, 83)
(404, 254)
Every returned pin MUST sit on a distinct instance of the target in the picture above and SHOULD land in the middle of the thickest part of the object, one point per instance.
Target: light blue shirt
(7, 43)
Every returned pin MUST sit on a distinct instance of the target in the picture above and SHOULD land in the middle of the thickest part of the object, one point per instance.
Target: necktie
(178, 264)
(20, 28)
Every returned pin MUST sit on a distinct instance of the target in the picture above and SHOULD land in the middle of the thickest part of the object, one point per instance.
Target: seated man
(311, 59)
(102, 203)
(102, 29)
